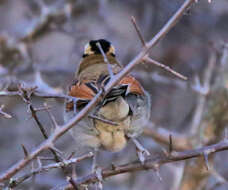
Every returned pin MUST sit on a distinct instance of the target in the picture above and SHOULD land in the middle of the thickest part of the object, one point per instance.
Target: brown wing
(84, 92)
(134, 86)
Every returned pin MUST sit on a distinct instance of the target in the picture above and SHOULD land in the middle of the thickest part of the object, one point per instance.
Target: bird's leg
(142, 153)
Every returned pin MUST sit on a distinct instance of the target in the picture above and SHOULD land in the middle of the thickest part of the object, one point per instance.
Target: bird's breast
(112, 138)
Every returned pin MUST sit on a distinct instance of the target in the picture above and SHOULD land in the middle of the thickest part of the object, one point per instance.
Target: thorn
(205, 156)
(141, 151)
(170, 144)
(98, 173)
(113, 166)
(74, 173)
(39, 162)
(71, 155)
(25, 151)
(100, 185)
(157, 172)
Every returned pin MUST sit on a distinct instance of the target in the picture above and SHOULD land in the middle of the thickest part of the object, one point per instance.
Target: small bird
(121, 114)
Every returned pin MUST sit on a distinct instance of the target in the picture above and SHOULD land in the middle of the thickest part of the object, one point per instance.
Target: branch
(58, 132)
(154, 163)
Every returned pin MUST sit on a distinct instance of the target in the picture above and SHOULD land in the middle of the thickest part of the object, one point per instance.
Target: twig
(105, 59)
(202, 95)
(52, 118)
(147, 59)
(165, 67)
(138, 31)
(19, 180)
(102, 120)
(58, 132)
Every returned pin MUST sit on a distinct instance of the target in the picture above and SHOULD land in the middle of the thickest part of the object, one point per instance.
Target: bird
(123, 112)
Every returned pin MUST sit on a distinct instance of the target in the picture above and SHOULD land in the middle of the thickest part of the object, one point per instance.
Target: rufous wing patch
(82, 91)
(134, 85)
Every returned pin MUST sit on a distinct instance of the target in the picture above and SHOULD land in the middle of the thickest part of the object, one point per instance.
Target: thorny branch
(154, 163)
(58, 132)
(64, 163)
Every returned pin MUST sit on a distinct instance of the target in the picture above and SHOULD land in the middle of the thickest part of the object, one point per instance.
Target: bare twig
(55, 124)
(147, 59)
(165, 67)
(138, 31)
(102, 120)
(58, 132)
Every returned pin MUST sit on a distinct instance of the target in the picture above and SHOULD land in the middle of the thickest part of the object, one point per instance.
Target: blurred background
(41, 43)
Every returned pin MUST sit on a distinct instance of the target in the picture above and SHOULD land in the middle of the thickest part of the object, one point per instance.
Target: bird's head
(92, 48)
